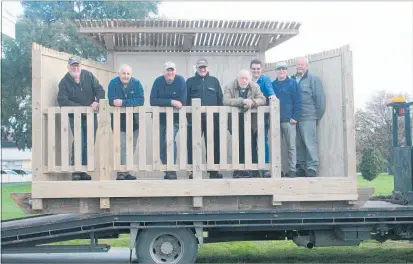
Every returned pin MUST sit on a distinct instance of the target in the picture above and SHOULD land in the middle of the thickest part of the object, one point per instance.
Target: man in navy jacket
(287, 91)
(126, 91)
(168, 90)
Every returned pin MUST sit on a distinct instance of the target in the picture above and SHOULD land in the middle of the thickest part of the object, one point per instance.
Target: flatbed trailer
(173, 237)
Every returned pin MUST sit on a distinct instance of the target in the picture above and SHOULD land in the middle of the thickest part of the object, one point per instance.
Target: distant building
(12, 158)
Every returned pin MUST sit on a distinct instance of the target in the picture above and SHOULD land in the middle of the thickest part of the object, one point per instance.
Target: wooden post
(275, 147)
(183, 150)
(129, 138)
(223, 144)
(196, 146)
(90, 117)
(38, 123)
(261, 138)
(65, 149)
(105, 151)
(247, 141)
(142, 138)
(235, 138)
(51, 146)
(210, 138)
(116, 139)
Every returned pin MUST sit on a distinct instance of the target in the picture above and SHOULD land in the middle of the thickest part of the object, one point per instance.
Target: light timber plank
(210, 138)
(295, 189)
(142, 146)
(77, 139)
(261, 139)
(104, 203)
(196, 148)
(183, 150)
(65, 150)
(51, 146)
(155, 142)
(90, 139)
(247, 140)
(129, 138)
(223, 143)
(275, 148)
(235, 139)
(169, 138)
(104, 132)
(116, 139)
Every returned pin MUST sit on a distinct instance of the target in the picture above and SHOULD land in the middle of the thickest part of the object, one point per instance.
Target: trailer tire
(166, 245)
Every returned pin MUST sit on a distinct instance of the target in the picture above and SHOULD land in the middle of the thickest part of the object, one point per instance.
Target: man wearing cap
(168, 90)
(313, 101)
(208, 89)
(80, 87)
(126, 91)
(245, 94)
(266, 88)
(287, 91)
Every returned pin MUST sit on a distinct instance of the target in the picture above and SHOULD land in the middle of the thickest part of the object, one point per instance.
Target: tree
(51, 24)
(370, 165)
(374, 127)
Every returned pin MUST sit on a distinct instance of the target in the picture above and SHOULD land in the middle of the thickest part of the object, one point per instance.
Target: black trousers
(204, 133)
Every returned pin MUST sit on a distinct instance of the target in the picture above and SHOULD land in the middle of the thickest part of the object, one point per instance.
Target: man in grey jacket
(313, 108)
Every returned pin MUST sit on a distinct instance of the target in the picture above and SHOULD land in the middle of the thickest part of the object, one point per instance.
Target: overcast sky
(380, 35)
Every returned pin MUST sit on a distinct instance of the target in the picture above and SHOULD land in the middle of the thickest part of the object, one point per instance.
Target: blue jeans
(162, 141)
(83, 133)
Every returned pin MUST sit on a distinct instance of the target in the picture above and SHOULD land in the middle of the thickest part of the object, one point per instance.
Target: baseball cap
(281, 64)
(74, 60)
(169, 65)
(201, 63)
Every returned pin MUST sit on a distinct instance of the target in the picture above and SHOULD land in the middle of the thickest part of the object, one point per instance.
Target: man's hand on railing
(247, 103)
(117, 102)
(176, 104)
(95, 106)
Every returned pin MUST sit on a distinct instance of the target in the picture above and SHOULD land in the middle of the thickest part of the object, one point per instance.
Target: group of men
(301, 96)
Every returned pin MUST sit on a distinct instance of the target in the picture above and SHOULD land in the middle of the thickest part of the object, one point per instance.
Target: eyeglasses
(255, 69)
(281, 68)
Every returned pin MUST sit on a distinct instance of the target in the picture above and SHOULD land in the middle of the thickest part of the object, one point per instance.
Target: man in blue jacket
(266, 88)
(288, 92)
(168, 90)
(126, 91)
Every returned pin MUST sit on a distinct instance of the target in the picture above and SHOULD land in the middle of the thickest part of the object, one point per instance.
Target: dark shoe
(215, 175)
(311, 173)
(191, 176)
(255, 174)
(291, 174)
(125, 176)
(76, 176)
(85, 177)
(121, 176)
(170, 175)
(300, 172)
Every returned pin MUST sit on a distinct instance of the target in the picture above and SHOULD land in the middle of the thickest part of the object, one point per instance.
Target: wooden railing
(108, 140)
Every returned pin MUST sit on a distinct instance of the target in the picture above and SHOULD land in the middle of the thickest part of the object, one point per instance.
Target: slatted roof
(162, 35)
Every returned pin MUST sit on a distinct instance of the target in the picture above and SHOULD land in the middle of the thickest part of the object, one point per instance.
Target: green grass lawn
(269, 251)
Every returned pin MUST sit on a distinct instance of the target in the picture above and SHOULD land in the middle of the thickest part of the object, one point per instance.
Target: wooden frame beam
(295, 189)
(193, 30)
(187, 48)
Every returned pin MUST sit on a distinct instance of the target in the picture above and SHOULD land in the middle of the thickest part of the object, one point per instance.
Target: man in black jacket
(208, 89)
(80, 87)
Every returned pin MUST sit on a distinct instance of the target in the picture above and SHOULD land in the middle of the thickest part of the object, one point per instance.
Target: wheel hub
(167, 248)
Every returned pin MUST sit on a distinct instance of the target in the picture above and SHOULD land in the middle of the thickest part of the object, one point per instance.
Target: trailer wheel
(166, 245)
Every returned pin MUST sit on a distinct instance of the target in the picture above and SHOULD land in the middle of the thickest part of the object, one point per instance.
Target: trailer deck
(24, 235)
